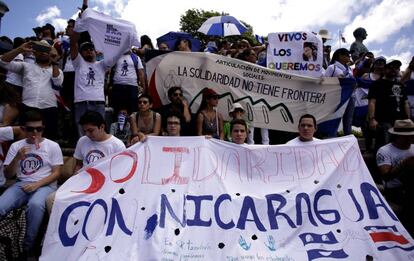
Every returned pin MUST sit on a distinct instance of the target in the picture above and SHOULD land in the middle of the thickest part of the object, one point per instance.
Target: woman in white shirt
(339, 67)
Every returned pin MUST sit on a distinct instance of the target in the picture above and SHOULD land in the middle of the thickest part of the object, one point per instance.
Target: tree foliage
(192, 19)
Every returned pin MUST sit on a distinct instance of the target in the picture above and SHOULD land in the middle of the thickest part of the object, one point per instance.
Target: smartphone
(41, 48)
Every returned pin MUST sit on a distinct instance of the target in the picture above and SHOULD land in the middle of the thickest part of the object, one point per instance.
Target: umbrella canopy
(171, 38)
(222, 26)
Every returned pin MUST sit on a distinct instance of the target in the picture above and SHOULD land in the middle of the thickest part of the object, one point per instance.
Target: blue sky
(389, 23)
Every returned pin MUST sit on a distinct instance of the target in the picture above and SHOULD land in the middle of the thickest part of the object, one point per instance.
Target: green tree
(192, 19)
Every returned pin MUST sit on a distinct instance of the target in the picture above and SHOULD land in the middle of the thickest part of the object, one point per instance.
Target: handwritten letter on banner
(213, 200)
(273, 100)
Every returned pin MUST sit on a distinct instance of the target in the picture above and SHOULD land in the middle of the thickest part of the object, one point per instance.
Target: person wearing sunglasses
(36, 161)
(178, 104)
(209, 120)
(145, 121)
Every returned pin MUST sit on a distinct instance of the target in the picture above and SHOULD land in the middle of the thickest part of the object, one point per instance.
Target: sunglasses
(178, 94)
(215, 97)
(32, 129)
(142, 102)
(173, 123)
(238, 110)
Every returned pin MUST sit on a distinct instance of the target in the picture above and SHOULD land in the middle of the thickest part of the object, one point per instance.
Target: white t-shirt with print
(125, 72)
(37, 163)
(90, 151)
(89, 80)
(6, 133)
(391, 155)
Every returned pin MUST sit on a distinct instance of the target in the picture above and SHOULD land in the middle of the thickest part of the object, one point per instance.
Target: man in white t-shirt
(127, 74)
(89, 79)
(395, 163)
(96, 143)
(307, 128)
(36, 161)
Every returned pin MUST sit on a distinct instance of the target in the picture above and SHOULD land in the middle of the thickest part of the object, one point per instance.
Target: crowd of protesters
(62, 91)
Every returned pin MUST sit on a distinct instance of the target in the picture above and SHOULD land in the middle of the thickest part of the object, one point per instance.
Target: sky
(389, 23)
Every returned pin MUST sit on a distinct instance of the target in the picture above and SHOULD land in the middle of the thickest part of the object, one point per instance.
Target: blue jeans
(14, 197)
(82, 107)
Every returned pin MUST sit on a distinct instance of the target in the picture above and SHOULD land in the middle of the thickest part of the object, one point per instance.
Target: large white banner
(296, 52)
(273, 100)
(213, 200)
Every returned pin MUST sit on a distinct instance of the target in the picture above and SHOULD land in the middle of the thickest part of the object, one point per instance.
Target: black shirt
(390, 99)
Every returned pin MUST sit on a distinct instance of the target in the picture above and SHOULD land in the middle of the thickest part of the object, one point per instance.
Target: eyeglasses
(32, 129)
(142, 102)
(178, 94)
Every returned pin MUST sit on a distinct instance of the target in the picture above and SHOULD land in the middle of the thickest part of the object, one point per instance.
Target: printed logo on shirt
(93, 156)
(30, 164)
(112, 36)
(124, 68)
(90, 76)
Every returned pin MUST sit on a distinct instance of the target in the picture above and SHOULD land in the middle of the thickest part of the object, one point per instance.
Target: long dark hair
(145, 40)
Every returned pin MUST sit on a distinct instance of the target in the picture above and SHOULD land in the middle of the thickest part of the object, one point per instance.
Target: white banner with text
(214, 200)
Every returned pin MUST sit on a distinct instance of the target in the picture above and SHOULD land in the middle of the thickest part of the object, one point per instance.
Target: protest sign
(112, 37)
(214, 200)
(273, 100)
(296, 52)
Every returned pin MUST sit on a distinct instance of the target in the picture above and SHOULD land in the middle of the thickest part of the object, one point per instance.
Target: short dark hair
(17, 42)
(29, 116)
(359, 32)
(308, 116)
(174, 113)
(146, 96)
(237, 121)
(92, 117)
(172, 90)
